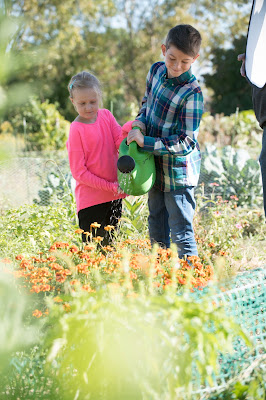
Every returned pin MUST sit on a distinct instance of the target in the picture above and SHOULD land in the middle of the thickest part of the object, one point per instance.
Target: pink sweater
(93, 154)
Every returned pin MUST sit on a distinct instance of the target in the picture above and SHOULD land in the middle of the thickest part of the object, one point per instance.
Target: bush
(233, 173)
(43, 125)
(239, 129)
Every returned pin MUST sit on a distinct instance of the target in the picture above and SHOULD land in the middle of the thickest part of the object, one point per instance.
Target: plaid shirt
(171, 110)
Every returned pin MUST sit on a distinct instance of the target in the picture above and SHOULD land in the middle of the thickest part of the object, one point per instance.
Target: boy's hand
(140, 125)
(135, 135)
(242, 57)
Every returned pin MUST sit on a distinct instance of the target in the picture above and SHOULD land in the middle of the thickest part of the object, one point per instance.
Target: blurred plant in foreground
(118, 345)
(14, 334)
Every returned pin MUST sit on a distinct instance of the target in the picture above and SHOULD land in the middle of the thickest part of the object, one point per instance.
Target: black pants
(105, 214)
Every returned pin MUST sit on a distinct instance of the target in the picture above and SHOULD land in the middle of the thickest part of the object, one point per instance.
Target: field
(97, 322)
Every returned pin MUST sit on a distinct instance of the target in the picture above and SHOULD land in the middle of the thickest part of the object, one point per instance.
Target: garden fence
(244, 299)
(44, 178)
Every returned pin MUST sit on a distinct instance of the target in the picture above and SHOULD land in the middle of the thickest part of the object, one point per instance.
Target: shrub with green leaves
(44, 127)
(116, 346)
(233, 173)
(238, 129)
(58, 187)
(32, 227)
(14, 333)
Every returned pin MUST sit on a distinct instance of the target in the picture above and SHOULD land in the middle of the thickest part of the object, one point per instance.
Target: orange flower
(26, 264)
(73, 249)
(51, 258)
(19, 257)
(79, 231)
(87, 288)
(223, 253)
(133, 275)
(61, 245)
(193, 259)
(67, 307)
(45, 288)
(182, 281)
(37, 313)
(109, 228)
(211, 244)
(107, 248)
(56, 267)
(82, 268)
(57, 299)
(6, 261)
(59, 278)
(98, 239)
(89, 247)
(87, 234)
(95, 225)
(35, 289)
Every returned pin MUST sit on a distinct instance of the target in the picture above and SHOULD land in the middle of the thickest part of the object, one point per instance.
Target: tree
(118, 40)
(230, 90)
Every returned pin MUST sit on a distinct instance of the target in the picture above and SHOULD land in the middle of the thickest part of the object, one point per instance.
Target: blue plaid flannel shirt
(171, 110)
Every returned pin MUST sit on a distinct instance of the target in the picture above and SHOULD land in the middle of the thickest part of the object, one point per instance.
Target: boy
(168, 124)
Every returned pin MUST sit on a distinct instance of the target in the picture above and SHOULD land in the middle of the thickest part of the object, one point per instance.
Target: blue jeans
(172, 212)
(262, 161)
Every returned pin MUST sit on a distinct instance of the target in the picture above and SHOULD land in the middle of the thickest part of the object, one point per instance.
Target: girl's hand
(117, 189)
(135, 135)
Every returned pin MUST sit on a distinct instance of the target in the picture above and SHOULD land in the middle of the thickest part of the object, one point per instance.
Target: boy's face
(176, 61)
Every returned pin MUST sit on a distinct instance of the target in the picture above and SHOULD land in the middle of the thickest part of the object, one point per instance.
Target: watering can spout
(126, 164)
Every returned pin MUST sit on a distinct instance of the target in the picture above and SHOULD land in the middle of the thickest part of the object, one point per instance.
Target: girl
(92, 146)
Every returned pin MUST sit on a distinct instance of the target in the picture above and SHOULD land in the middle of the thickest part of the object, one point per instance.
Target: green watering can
(136, 169)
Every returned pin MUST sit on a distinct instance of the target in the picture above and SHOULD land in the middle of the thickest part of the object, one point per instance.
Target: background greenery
(43, 43)
(118, 40)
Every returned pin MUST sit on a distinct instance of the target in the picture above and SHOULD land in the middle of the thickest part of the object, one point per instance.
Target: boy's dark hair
(185, 38)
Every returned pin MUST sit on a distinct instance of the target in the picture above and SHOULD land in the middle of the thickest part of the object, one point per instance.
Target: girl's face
(176, 61)
(86, 102)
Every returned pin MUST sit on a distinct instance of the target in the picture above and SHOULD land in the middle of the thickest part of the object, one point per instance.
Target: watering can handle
(133, 146)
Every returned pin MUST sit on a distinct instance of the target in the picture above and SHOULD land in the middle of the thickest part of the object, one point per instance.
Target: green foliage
(134, 218)
(32, 228)
(14, 335)
(113, 347)
(25, 377)
(56, 188)
(233, 173)
(234, 92)
(251, 386)
(43, 126)
(87, 35)
(240, 130)
(147, 345)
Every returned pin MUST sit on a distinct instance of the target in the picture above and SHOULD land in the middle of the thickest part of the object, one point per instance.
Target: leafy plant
(112, 346)
(14, 334)
(135, 215)
(32, 227)
(58, 187)
(239, 129)
(233, 173)
(41, 123)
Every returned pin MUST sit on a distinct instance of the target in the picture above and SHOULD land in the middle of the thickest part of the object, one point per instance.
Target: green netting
(244, 298)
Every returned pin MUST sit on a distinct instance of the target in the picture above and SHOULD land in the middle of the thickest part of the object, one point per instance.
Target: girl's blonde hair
(82, 80)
